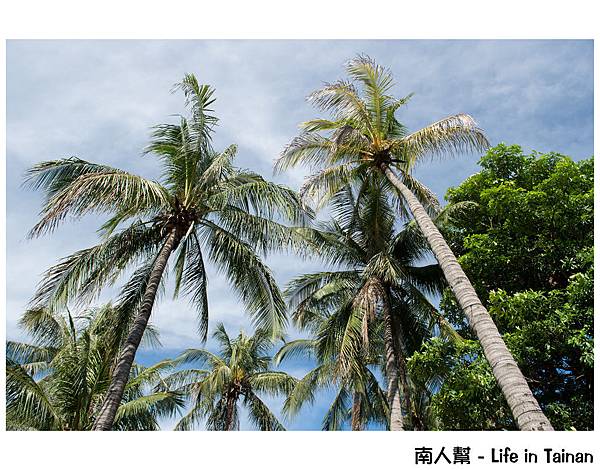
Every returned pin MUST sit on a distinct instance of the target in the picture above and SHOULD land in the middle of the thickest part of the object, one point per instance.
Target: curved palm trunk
(523, 405)
(392, 371)
(356, 412)
(106, 416)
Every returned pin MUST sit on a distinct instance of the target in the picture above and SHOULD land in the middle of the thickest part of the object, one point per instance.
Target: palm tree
(204, 206)
(238, 373)
(58, 382)
(358, 397)
(365, 134)
(378, 277)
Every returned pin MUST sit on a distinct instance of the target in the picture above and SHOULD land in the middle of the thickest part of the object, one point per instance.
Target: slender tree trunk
(108, 411)
(524, 406)
(356, 412)
(400, 347)
(391, 370)
(231, 399)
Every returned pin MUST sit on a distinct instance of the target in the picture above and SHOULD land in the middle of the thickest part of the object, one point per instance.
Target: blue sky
(98, 99)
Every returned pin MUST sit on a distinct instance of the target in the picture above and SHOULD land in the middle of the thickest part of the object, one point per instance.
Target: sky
(98, 99)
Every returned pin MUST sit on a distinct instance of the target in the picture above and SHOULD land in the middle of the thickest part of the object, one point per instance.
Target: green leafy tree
(377, 296)
(364, 133)
(528, 242)
(238, 375)
(532, 216)
(58, 382)
(203, 207)
(461, 392)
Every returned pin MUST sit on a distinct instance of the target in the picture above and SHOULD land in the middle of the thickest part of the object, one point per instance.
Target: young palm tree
(238, 373)
(365, 134)
(203, 207)
(359, 399)
(378, 278)
(59, 381)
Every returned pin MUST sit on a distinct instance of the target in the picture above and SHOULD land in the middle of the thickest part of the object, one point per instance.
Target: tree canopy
(527, 244)
(58, 381)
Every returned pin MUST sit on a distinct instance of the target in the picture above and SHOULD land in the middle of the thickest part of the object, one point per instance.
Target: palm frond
(194, 280)
(309, 149)
(265, 234)
(298, 347)
(112, 190)
(377, 82)
(304, 392)
(252, 194)
(24, 353)
(251, 279)
(272, 382)
(429, 279)
(446, 137)
(27, 404)
(198, 99)
(195, 416)
(260, 415)
(343, 101)
(142, 412)
(202, 356)
(83, 274)
(219, 169)
(321, 187)
(45, 326)
(338, 411)
(53, 176)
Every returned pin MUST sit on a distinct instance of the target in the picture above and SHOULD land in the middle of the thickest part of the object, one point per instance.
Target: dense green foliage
(59, 380)
(374, 267)
(527, 246)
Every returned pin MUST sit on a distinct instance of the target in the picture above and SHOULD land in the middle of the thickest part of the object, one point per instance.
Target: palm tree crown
(211, 206)
(58, 381)
(364, 133)
(238, 373)
(203, 207)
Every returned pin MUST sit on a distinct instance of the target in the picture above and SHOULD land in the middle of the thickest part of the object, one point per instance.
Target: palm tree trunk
(391, 370)
(231, 399)
(524, 406)
(400, 347)
(108, 411)
(356, 412)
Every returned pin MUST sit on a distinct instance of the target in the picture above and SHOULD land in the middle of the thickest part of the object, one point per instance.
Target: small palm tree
(59, 381)
(204, 207)
(238, 373)
(358, 400)
(365, 134)
(376, 297)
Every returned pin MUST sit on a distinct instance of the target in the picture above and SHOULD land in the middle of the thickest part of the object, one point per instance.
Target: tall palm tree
(58, 381)
(378, 277)
(365, 134)
(204, 206)
(238, 373)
